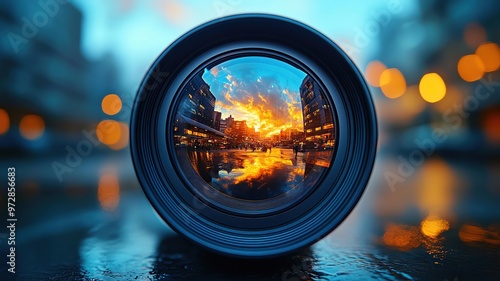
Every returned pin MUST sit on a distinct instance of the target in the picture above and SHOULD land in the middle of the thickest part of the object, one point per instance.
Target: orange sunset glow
(267, 97)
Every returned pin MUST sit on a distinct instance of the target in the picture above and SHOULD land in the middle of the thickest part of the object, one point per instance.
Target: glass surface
(254, 128)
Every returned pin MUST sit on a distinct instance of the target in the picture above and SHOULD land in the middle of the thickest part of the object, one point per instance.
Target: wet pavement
(442, 224)
(257, 174)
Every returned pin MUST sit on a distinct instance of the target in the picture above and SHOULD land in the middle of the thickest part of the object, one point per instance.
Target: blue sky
(135, 32)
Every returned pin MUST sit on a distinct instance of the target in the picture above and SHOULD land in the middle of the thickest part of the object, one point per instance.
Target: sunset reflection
(254, 128)
(402, 237)
(476, 234)
(433, 226)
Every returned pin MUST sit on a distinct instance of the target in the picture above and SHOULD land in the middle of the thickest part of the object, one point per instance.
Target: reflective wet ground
(256, 174)
(442, 224)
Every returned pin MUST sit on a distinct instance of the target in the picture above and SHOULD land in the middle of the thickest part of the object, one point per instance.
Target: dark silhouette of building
(318, 118)
(217, 119)
(199, 102)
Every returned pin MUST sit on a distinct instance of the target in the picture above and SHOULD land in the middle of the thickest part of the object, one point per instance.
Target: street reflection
(254, 128)
(255, 175)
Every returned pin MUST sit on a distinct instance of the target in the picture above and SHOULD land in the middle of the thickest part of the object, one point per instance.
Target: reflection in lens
(254, 128)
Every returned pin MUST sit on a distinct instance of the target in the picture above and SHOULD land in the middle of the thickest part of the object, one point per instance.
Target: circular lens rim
(226, 233)
(237, 205)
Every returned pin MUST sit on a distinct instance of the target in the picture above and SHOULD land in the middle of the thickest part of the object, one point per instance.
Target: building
(47, 75)
(217, 119)
(199, 102)
(318, 118)
(226, 123)
(197, 118)
(223, 125)
(240, 127)
(290, 134)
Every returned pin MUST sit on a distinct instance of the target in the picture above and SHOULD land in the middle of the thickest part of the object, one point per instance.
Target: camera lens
(253, 135)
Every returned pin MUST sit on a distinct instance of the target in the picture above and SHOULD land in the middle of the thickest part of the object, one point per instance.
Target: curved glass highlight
(254, 128)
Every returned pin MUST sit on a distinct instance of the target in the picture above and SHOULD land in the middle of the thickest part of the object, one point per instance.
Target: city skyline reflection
(251, 175)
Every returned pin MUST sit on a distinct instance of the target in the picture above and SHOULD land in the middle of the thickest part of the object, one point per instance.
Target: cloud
(261, 100)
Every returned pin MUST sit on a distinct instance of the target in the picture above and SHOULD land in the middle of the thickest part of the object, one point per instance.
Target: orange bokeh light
(476, 234)
(109, 132)
(491, 125)
(31, 127)
(392, 83)
(438, 188)
(4, 122)
(474, 34)
(373, 72)
(403, 237)
(108, 191)
(432, 87)
(111, 104)
(490, 56)
(124, 136)
(471, 68)
(433, 226)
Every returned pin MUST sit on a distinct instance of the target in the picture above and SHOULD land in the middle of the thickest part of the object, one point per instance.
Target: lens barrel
(285, 174)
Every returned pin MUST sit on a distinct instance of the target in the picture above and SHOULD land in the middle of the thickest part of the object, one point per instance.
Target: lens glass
(253, 128)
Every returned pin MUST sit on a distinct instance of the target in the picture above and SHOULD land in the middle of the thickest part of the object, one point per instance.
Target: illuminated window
(317, 129)
(328, 126)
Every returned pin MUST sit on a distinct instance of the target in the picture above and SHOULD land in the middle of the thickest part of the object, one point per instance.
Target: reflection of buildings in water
(256, 177)
(318, 118)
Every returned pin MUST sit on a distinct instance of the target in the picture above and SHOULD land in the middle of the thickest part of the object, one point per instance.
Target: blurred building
(318, 119)
(44, 73)
(438, 35)
(223, 125)
(290, 134)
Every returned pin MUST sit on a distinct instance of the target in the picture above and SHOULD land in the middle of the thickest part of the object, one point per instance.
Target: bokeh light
(432, 87)
(373, 71)
(392, 83)
(403, 109)
(471, 68)
(111, 104)
(474, 34)
(476, 234)
(490, 55)
(108, 191)
(438, 188)
(109, 132)
(403, 237)
(491, 125)
(433, 226)
(32, 127)
(124, 136)
(4, 122)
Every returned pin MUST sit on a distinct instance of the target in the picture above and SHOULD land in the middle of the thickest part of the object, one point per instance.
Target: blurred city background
(69, 74)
